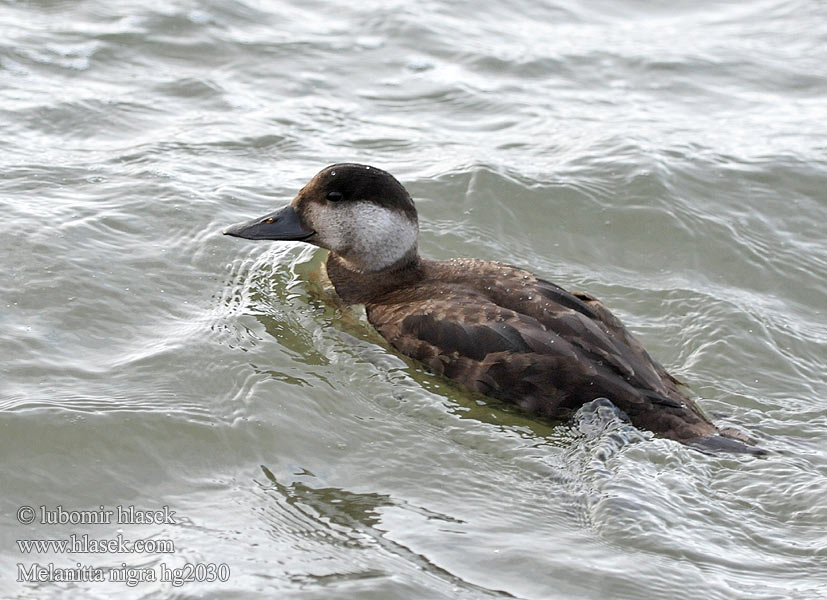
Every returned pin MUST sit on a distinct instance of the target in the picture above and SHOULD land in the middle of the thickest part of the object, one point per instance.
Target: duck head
(360, 213)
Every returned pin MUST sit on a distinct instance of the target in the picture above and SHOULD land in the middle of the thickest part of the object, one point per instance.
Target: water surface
(670, 160)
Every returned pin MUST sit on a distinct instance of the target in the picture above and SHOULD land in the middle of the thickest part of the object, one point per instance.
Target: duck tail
(716, 444)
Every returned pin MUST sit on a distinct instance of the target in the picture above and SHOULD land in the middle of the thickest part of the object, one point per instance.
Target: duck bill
(283, 224)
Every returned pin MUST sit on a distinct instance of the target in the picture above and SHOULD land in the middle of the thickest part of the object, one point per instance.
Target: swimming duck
(490, 326)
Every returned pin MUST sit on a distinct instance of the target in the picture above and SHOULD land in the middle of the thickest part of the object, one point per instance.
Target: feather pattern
(499, 330)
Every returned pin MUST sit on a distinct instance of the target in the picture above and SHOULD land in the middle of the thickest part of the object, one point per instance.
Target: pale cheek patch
(381, 236)
(328, 227)
(370, 236)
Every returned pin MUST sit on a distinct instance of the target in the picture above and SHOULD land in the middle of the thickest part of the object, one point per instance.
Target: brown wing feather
(549, 357)
(579, 318)
(619, 330)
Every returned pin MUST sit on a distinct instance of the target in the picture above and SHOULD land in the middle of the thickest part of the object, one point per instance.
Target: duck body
(492, 327)
(501, 331)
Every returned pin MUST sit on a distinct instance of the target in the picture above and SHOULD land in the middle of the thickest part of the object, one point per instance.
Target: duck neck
(355, 286)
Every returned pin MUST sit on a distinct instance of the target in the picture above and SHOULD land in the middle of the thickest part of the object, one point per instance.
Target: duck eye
(334, 196)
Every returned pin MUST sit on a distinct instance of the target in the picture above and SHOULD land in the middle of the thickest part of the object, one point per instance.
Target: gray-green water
(670, 158)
